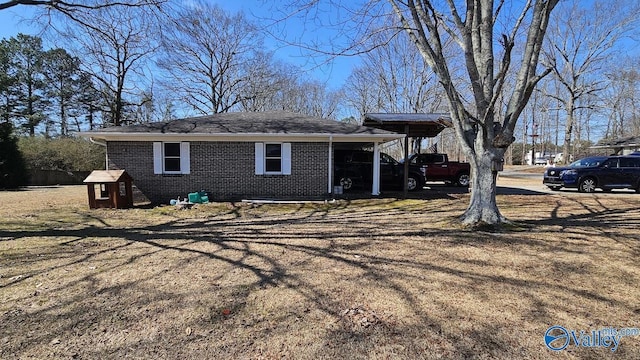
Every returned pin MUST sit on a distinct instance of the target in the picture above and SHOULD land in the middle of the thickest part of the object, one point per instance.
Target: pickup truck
(354, 168)
(439, 168)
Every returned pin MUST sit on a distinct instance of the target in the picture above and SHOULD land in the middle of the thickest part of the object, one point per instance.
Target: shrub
(65, 154)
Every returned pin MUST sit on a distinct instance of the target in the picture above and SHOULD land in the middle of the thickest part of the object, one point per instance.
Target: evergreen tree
(7, 81)
(13, 172)
(90, 100)
(27, 54)
(62, 72)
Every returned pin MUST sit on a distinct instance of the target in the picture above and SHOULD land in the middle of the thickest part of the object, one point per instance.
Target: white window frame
(159, 158)
(261, 159)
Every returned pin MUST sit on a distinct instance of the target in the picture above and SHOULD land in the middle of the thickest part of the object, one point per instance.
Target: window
(273, 159)
(171, 158)
(611, 163)
(386, 159)
(427, 159)
(629, 162)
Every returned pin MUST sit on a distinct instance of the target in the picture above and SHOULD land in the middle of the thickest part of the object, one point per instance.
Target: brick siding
(226, 170)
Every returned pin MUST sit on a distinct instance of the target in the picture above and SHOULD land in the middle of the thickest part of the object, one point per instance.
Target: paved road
(522, 181)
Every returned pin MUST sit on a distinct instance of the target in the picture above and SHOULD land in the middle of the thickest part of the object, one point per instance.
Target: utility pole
(534, 134)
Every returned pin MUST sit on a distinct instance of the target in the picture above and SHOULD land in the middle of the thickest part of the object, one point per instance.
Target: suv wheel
(463, 180)
(587, 185)
(346, 183)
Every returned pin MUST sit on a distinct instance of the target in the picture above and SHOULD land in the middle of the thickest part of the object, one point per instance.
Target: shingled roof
(414, 125)
(248, 122)
(244, 125)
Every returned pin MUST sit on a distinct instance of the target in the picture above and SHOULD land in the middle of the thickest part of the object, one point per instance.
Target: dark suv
(354, 168)
(603, 172)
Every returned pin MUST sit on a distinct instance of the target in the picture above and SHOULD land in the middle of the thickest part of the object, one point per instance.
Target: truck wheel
(587, 185)
(463, 180)
(346, 183)
(413, 183)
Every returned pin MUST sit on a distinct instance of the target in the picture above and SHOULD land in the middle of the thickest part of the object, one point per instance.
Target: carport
(425, 125)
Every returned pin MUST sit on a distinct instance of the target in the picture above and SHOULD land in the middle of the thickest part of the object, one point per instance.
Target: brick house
(235, 155)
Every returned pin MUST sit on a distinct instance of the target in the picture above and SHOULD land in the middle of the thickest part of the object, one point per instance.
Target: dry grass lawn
(378, 279)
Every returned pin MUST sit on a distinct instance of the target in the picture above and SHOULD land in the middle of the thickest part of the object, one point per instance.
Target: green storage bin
(195, 198)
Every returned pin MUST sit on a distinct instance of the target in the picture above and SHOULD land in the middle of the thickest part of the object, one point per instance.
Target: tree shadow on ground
(332, 259)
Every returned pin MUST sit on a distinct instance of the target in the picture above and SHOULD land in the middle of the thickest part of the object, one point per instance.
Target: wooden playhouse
(109, 189)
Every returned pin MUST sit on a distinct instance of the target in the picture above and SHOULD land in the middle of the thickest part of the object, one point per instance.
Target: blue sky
(334, 72)
(10, 21)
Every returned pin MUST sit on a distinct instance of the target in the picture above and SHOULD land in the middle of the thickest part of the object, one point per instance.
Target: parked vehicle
(598, 172)
(354, 169)
(439, 168)
(540, 161)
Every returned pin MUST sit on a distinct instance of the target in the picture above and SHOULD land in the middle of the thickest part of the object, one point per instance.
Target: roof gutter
(294, 137)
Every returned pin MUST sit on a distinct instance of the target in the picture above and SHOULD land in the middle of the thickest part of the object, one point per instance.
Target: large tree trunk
(483, 208)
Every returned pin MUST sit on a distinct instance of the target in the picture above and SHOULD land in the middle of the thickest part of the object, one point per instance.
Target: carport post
(406, 161)
(330, 167)
(375, 186)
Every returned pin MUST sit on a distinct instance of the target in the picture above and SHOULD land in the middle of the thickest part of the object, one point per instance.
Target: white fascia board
(245, 137)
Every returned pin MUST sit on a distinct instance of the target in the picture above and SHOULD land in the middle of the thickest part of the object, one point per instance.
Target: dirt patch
(383, 278)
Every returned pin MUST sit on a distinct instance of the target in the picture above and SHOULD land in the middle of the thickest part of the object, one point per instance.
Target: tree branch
(65, 6)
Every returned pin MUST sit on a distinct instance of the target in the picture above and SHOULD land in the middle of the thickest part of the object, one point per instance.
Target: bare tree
(581, 41)
(114, 48)
(266, 78)
(207, 56)
(77, 11)
(393, 78)
(622, 100)
(474, 93)
(308, 97)
(274, 85)
(473, 28)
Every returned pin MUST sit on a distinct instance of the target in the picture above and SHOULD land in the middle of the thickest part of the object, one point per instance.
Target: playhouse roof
(106, 176)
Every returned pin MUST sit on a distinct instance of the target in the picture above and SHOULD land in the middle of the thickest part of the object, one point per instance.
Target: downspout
(330, 169)
(106, 153)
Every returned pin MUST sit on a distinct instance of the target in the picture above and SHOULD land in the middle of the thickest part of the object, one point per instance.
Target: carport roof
(625, 142)
(413, 125)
